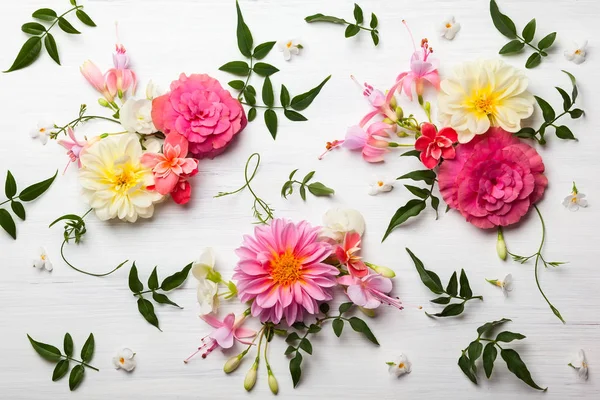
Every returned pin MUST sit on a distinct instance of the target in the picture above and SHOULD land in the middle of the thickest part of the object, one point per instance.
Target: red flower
(434, 145)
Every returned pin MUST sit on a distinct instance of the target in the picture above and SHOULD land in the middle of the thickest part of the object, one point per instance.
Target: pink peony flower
(434, 145)
(346, 254)
(202, 111)
(493, 180)
(369, 291)
(281, 270)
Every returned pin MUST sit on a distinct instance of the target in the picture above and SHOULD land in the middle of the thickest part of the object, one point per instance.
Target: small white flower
(208, 297)
(208, 281)
(581, 365)
(506, 285)
(42, 130)
(136, 116)
(449, 28)
(576, 53)
(204, 266)
(124, 360)
(338, 221)
(289, 47)
(381, 186)
(153, 91)
(42, 261)
(575, 200)
(400, 366)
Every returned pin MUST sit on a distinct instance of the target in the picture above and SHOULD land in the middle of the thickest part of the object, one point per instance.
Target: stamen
(410, 34)
(330, 146)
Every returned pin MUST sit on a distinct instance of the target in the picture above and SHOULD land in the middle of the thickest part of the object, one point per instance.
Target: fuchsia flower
(202, 111)
(75, 148)
(171, 169)
(370, 141)
(282, 271)
(224, 335)
(434, 145)
(95, 77)
(369, 291)
(120, 78)
(346, 254)
(380, 102)
(493, 180)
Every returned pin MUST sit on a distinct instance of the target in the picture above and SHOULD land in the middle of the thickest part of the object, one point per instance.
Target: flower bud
(393, 101)
(367, 311)
(232, 364)
(250, 379)
(501, 245)
(388, 121)
(399, 112)
(103, 103)
(273, 383)
(383, 271)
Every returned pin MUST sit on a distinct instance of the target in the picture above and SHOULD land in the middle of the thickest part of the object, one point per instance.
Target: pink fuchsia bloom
(369, 291)
(379, 101)
(225, 334)
(435, 145)
(199, 109)
(370, 141)
(120, 78)
(75, 147)
(493, 180)
(95, 77)
(282, 271)
(170, 166)
(347, 254)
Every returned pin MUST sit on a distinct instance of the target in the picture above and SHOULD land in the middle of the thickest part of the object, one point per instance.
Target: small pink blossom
(380, 102)
(435, 145)
(75, 147)
(370, 141)
(369, 291)
(347, 254)
(120, 78)
(95, 77)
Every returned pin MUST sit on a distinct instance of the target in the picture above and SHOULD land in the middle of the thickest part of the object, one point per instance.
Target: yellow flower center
(578, 51)
(122, 360)
(379, 183)
(401, 365)
(285, 268)
(484, 105)
(289, 44)
(43, 257)
(125, 177)
(42, 130)
(448, 25)
(574, 199)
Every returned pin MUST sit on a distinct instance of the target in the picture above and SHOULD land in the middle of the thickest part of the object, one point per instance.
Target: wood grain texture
(166, 37)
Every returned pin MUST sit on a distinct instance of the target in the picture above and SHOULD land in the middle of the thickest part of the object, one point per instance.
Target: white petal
(126, 353)
(582, 373)
(286, 54)
(48, 265)
(129, 365)
(116, 362)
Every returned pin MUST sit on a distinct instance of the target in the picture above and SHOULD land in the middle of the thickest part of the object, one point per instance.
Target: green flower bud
(103, 103)
(273, 385)
(250, 379)
(232, 364)
(384, 271)
(399, 112)
(501, 245)
(367, 311)
(388, 121)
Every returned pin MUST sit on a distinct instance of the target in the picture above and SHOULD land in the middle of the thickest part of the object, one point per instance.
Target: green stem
(553, 121)
(529, 44)
(62, 254)
(58, 18)
(80, 362)
(247, 80)
(360, 27)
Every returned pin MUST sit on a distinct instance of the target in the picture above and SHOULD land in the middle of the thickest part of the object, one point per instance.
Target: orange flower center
(289, 44)
(401, 365)
(448, 25)
(379, 183)
(122, 360)
(484, 105)
(42, 130)
(578, 51)
(285, 268)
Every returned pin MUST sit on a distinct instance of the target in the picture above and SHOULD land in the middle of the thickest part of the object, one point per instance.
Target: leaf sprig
(475, 350)
(433, 283)
(550, 116)
(247, 93)
(506, 26)
(81, 118)
(28, 194)
(353, 28)
(39, 33)
(53, 354)
(145, 306)
(315, 188)
(296, 342)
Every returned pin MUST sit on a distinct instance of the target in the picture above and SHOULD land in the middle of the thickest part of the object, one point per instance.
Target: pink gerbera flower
(281, 271)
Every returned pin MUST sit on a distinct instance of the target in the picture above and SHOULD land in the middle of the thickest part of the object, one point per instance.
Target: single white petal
(567, 200)
(48, 265)
(116, 362)
(129, 365)
(286, 54)
(126, 353)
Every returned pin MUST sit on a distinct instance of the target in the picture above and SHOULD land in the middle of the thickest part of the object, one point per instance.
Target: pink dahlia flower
(281, 270)
(493, 180)
(202, 111)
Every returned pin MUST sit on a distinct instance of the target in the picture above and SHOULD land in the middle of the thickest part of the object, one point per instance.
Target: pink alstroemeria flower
(369, 291)
(171, 168)
(120, 78)
(434, 145)
(95, 77)
(75, 148)
(346, 254)
(224, 335)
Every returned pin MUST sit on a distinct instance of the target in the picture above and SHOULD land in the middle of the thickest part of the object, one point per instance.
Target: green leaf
(60, 370)
(514, 46)
(294, 116)
(240, 68)
(451, 310)
(252, 114)
(176, 280)
(292, 337)
(465, 288)
(324, 18)
(344, 307)
(529, 31)
(244, 37)
(262, 50)
(271, 122)
(427, 176)
(284, 97)
(465, 365)
(28, 54)
(435, 202)
(547, 41)
(66, 26)
(566, 99)
(83, 17)
(429, 278)
(413, 153)
(47, 351)
(417, 191)
(374, 21)
(36, 190)
(264, 69)
(411, 209)
(50, 45)
(68, 344)
(163, 299)
(308, 177)
(502, 22)
(303, 192)
(564, 132)
(452, 288)
(518, 367)
(351, 30)
(547, 110)
(8, 223)
(576, 113)
(338, 326)
(488, 326)
(574, 83)
(10, 186)
(153, 280)
(296, 368)
(358, 325)
(489, 356)
(375, 38)
(250, 97)
(533, 61)
(358, 14)
(87, 351)
(33, 28)
(302, 101)
(306, 346)
(237, 84)
(292, 174)
(324, 308)
(508, 337)
(289, 350)
(146, 308)
(76, 376)
(135, 285)
(474, 350)
(441, 300)
(73, 2)
(526, 133)
(268, 96)
(44, 14)
(318, 189)
(18, 209)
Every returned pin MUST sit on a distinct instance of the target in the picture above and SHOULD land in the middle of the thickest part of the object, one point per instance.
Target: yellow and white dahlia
(115, 183)
(482, 94)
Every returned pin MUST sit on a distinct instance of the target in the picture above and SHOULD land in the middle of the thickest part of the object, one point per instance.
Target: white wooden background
(166, 37)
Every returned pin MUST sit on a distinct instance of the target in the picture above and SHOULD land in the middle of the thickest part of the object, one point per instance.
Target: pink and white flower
(346, 254)
(369, 291)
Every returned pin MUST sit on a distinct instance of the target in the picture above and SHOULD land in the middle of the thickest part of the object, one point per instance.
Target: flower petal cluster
(435, 146)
